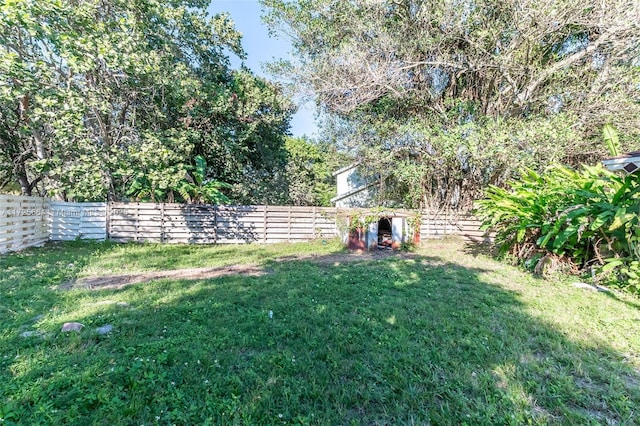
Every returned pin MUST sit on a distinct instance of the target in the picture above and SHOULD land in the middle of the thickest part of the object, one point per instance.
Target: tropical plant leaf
(600, 220)
(200, 170)
(611, 139)
(621, 218)
(612, 264)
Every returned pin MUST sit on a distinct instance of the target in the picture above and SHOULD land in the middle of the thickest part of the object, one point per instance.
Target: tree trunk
(25, 186)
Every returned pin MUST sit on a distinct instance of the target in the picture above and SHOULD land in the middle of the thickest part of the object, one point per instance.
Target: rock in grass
(36, 318)
(31, 333)
(104, 329)
(71, 326)
(592, 287)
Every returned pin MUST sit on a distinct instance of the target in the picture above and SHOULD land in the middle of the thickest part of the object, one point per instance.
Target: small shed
(369, 226)
(629, 162)
(381, 229)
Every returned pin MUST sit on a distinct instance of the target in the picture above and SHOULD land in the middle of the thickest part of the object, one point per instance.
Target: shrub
(584, 218)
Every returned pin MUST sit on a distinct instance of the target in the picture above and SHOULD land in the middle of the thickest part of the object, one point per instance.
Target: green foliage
(239, 126)
(519, 212)
(189, 183)
(197, 189)
(356, 220)
(159, 166)
(309, 171)
(611, 139)
(445, 163)
(587, 217)
(434, 95)
(112, 98)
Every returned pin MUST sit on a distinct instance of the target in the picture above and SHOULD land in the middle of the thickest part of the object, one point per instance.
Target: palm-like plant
(196, 189)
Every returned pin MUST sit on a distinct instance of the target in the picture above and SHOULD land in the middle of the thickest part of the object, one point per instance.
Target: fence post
(289, 224)
(107, 221)
(137, 221)
(314, 222)
(215, 224)
(162, 224)
(265, 224)
(47, 217)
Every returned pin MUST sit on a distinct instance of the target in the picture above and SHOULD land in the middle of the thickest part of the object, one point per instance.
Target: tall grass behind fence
(23, 222)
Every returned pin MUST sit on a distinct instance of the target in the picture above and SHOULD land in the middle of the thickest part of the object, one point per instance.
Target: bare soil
(111, 282)
(114, 282)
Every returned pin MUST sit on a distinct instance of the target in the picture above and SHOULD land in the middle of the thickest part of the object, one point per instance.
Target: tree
(99, 96)
(310, 167)
(436, 87)
(196, 189)
(239, 125)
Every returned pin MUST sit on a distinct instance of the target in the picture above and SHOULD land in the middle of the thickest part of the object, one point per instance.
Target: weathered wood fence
(23, 222)
(68, 221)
(27, 221)
(438, 225)
(190, 223)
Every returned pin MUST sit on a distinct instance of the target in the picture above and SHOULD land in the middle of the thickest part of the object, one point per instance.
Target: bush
(583, 218)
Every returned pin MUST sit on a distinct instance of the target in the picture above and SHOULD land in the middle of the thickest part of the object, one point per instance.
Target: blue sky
(261, 48)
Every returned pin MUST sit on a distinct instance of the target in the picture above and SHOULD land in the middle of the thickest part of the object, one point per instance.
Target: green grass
(439, 336)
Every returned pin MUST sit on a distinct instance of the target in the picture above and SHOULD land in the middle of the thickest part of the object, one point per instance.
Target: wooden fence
(183, 223)
(23, 222)
(26, 221)
(438, 225)
(68, 221)
(180, 223)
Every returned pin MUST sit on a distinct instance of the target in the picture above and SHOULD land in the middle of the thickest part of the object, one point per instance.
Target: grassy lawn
(439, 336)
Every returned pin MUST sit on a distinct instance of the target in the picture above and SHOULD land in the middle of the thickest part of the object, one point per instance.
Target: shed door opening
(385, 235)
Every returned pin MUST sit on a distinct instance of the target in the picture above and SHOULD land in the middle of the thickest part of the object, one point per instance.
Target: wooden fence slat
(23, 235)
(68, 221)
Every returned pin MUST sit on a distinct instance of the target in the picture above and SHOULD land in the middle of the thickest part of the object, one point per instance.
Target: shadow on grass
(491, 250)
(29, 277)
(625, 300)
(484, 248)
(392, 341)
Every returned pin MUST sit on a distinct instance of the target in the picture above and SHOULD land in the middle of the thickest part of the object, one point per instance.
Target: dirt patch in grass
(348, 257)
(114, 282)
(111, 282)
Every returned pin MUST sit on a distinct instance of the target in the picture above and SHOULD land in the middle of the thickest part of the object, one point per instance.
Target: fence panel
(135, 222)
(69, 221)
(22, 222)
(184, 223)
(438, 225)
(26, 221)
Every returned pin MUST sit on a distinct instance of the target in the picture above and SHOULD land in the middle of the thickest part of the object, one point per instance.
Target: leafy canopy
(445, 97)
(99, 96)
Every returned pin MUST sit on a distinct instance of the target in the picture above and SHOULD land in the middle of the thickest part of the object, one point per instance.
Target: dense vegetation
(439, 336)
(130, 99)
(585, 221)
(442, 98)
(439, 99)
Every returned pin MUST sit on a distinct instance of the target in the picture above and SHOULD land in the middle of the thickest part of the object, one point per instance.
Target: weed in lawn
(430, 337)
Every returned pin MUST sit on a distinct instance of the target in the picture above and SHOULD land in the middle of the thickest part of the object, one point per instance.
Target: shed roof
(346, 168)
(629, 162)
